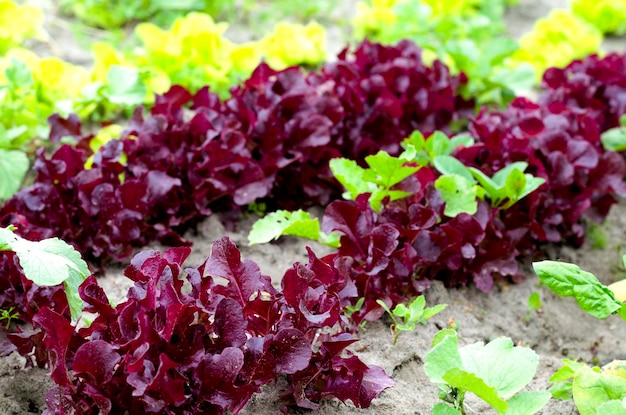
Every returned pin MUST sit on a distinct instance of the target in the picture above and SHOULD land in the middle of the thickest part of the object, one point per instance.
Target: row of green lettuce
(469, 36)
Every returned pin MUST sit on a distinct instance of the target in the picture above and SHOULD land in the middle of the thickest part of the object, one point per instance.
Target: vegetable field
(261, 207)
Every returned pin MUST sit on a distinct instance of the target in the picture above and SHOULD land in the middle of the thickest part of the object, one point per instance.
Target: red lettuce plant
(196, 154)
(561, 145)
(206, 343)
(596, 85)
(369, 99)
(393, 255)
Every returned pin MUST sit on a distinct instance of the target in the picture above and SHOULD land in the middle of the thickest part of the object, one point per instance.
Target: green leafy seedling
(459, 194)
(509, 184)
(49, 262)
(495, 372)
(424, 150)
(297, 223)
(406, 318)
(534, 303)
(8, 315)
(383, 173)
(614, 139)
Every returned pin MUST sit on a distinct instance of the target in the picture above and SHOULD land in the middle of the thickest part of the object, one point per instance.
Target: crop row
(195, 51)
(272, 142)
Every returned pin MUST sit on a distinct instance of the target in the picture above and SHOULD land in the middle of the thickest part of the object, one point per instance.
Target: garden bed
(559, 329)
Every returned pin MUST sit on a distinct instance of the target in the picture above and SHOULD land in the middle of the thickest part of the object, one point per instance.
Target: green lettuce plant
(496, 372)
(407, 317)
(383, 173)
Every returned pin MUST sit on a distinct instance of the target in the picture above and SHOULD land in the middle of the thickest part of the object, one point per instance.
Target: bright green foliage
(595, 391)
(569, 280)
(509, 184)
(467, 36)
(282, 222)
(13, 167)
(384, 172)
(406, 318)
(24, 103)
(609, 16)
(49, 262)
(534, 303)
(495, 372)
(562, 379)
(424, 150)
(615, 138)
(555, 41)
(8, 315)
(591, 390)
(194, 53)
(459, 194)
(17, 23)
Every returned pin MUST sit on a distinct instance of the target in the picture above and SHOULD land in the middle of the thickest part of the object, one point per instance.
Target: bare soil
(558, 330)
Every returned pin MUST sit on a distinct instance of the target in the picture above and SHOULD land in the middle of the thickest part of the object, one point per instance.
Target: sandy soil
(556, 331)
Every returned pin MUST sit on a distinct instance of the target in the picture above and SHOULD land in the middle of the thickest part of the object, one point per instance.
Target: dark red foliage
(24, 299)
(561, 145)
(208, 347)
(596, 85)
(270, 142)
(368, 100)
(393, 255)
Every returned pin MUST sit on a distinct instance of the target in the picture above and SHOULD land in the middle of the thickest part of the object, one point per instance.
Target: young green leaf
(13, 167)
(614, 139)
(125, 86)
(443, 356)
(569, 280)
(459, 194)
(406, 318)
(451, 165)
(297, 223)
(502, 365)
(386, 170)
(527, 403)
(592, 389)
(383, 173)
(49, 262)
(350, 175)
(460, 379)
(614, 407)
(424, 151)
(443, 409)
